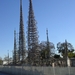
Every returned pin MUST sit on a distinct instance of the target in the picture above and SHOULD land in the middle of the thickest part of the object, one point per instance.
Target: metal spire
(15, 48)
(47, 35)
(66, 51)
(32, 34)
(21, 36)
(31, 3)
(48, 45)
(8, 57)
(21, 15)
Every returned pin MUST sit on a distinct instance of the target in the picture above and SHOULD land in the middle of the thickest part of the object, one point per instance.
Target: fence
(32, 70)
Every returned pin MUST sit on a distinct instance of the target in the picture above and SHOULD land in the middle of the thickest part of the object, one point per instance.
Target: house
(72, 62)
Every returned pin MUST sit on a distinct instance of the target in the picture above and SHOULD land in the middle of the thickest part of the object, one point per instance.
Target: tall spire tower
(15, 48)
(48, 44)
(32, 34)
(21, 37)
(66, 51)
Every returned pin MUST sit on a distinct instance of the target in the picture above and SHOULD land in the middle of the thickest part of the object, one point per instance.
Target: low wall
(32, 70)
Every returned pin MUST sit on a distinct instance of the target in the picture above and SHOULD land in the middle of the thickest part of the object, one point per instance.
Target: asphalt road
(3, 73)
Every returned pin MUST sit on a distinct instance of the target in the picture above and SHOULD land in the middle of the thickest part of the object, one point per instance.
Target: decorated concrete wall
(32, 70)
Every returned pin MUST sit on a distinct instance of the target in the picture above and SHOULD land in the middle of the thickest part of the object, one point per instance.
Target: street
(3, 73)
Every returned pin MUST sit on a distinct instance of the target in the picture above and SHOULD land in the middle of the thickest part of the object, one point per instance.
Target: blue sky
(56, 15)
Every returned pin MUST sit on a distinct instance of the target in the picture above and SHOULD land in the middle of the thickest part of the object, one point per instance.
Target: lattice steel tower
(32, 35)
(48, 45)
(21, 37)
(66, 51)
(15, 49)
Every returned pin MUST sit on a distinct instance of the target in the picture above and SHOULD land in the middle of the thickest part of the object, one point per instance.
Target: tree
(71, 55)
(63, 47)
(45, 51)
